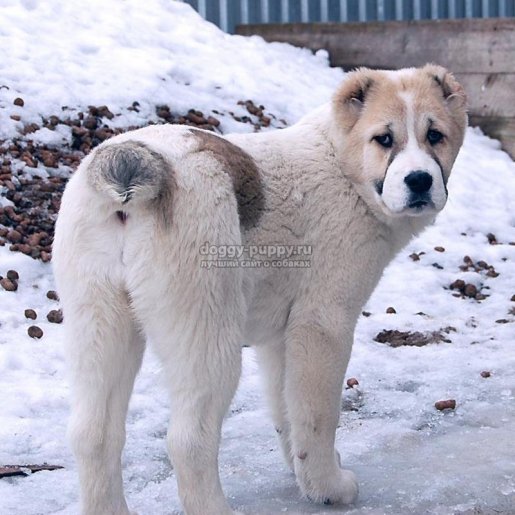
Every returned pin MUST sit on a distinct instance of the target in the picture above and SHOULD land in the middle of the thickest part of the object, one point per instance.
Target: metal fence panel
(229, 13)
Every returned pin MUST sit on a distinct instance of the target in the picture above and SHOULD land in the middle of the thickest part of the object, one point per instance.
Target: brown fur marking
(243, 172)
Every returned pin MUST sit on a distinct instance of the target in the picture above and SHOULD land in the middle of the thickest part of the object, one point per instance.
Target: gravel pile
(33, 175)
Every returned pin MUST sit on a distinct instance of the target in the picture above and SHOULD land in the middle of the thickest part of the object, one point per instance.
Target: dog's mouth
(419, 206)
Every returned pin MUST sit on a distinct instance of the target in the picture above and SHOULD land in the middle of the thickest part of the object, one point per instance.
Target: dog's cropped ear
(453, 92)
(350, 98)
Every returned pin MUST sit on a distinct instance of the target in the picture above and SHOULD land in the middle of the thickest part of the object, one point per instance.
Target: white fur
(412, 157)
(121, 284)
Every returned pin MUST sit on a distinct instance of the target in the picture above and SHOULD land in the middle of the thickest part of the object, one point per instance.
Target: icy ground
(409, 457)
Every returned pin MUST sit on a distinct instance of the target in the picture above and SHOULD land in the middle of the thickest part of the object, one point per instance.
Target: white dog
(199, 243)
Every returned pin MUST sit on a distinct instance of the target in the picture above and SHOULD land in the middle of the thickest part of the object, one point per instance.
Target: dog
(199, 243)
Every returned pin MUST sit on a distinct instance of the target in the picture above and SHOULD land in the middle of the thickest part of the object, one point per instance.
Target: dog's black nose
(418, 181)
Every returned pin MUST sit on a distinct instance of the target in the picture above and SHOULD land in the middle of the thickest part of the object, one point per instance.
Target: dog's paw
(341, 487)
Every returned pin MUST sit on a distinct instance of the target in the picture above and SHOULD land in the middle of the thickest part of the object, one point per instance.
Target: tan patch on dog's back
(243, 172)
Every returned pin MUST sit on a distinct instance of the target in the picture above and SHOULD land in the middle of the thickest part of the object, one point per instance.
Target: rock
(8, 285)
(459, 284)
(485, 374)
(14, 236)
(195, 118)
(19, 102)
(52, 295)
(470, 290)
(439, 249)
(35, 332)
(391, 311)
(55, 316)
(90, 123)
(13, 275)
(30, 314)
(447, 404)
(352, 382)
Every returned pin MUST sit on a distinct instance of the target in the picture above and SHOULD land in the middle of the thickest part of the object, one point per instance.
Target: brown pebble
(458, 284)
(439, 249)
(90, 123)
(8, 285)
(491, 238)
(302, 455)
(31, 314)
(19, 102)
(13, 275)
(55, 316)
(414, 256)
(485, 374)
(45, 256)
(35, 332)
(352, 382)
(52, 295)
(213, 121)
(14, 236)
(447, 404)
(366, 313)
(513, 298)
(391, 311)
(470, 290)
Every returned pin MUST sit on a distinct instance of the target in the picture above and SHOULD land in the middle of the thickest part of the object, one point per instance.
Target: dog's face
(401, 132)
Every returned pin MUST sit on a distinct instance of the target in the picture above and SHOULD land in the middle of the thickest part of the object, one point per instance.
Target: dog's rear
(127, 265)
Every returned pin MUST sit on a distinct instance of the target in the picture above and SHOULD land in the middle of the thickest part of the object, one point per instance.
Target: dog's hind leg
(271, 359)
(192, 307)
(104, 350)
(201, 363)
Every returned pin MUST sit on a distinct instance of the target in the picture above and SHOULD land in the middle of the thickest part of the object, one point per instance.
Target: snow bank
(63, 53)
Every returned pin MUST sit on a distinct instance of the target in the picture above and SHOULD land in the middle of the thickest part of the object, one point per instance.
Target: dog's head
(401, 132)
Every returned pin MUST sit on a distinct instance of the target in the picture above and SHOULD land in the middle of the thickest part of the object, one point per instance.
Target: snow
(409, 458)
(154, 52)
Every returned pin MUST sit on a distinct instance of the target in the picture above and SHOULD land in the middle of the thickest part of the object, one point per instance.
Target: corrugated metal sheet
(229, 13)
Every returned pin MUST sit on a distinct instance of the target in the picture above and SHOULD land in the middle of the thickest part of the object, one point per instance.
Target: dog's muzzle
(419, 185)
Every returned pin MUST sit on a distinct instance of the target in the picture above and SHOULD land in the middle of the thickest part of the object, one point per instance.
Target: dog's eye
(434, 136)
(385, 140)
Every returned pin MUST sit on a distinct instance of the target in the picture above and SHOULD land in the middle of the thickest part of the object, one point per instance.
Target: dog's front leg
(316, 360)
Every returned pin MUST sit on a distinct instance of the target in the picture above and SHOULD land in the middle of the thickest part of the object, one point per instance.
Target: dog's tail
(128, 171)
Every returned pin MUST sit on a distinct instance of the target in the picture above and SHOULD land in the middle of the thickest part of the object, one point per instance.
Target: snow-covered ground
(409, 457)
